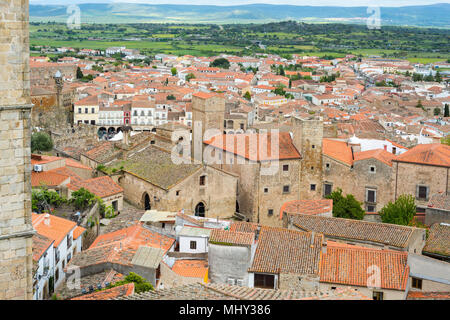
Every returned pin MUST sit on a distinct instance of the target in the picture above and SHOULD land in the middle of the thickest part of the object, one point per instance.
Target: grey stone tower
(15, 168)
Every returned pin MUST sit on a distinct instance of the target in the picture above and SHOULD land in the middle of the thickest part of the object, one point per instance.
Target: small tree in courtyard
(346, 207)
(399, 212)
(41, 141)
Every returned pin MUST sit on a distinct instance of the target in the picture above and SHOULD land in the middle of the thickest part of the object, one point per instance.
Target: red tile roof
(219, 236)
(379, 154)
(57, 228)
(434, 154)
(47, 178)
(100, 186)
(78, 232)
(338, 150)
(257, 147)
(40, 245)
(310, 207)
(352, 265)
(109, 294)
(281, 250)
(191, 268)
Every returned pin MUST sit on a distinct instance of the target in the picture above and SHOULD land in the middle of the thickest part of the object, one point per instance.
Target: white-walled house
(43, 266)
(67, 240)
(193, 239)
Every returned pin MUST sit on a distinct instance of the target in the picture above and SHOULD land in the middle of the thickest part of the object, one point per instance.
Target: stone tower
(307, 138)
(208, 112)
(15, 159)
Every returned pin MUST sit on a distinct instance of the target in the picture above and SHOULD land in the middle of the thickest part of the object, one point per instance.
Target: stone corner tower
(16, 229)
(208, 112)
(308, 139)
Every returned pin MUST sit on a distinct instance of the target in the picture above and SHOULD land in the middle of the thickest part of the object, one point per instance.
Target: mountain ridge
(434, 15)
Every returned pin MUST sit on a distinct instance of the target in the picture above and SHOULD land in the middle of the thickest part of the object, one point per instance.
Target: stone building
(356, 232)
(16, 229)
(151, 180)
(438, 209)
(422, 171)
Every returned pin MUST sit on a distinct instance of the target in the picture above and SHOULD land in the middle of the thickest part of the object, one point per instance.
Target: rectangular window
(86, 110)
(285, 167)
(372, 169)
(327, 189)
(92, 110)
(371, 196)
(370, 208)
(270, 212)
(79, 110)
(266, 190)
(285, 189)
(416, 283)
(266, 281)
(422, 193)
(202, 180)
(313, 187)
(193, 245)
(377, 295)
(327, 165)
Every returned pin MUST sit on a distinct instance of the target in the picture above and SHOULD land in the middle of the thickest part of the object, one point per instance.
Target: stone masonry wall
(15, 167)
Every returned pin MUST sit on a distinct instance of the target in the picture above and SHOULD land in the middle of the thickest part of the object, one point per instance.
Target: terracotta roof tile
(338, 150)
(56, 229)
(310, 207)
(438, 240)
(47, 178)
(248, 146)
(379, 154)
(384, 233)
(349, 265)
(40, 245)
(100, 186)
(109, 294)
(281, 250)
(231, 237)
(435, 154)
(191, 268)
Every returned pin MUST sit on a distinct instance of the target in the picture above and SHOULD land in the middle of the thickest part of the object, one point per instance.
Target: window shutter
(428, 190)
(417, 192)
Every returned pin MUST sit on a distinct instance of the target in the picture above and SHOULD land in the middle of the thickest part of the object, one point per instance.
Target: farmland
(285, 38)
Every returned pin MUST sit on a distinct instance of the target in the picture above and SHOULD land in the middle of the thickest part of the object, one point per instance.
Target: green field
(283, 38)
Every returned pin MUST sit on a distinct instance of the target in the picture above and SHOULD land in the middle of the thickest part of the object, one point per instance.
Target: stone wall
(435, 215)
(218, 196)
(170, 279)
(407, 176)
(293, 281)
(15, 156)
(228, 262)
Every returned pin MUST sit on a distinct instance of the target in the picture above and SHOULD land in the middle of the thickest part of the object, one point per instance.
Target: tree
(140, 283)
(170, 97)
(82, 198)
(41, 141)
(437, 111)
(189, 77)
(248, 96)
(79, 73)
(174, 71)
(419, 104)
(400, 212)
(446, 111)
(221, 63)
(346, 207)
(438, 77)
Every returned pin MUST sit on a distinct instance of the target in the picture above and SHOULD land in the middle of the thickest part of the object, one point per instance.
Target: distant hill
(436, 15)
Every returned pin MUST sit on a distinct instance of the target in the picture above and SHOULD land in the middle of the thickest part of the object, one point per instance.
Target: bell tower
(16, 229)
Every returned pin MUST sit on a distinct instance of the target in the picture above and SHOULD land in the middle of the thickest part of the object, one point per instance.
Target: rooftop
(282, 250)
(383, 233)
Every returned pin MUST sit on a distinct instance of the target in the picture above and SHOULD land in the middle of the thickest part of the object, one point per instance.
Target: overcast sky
(356, 3)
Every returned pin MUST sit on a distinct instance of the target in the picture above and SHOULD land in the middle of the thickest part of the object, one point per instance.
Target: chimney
(324, 246)
(47, 219)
